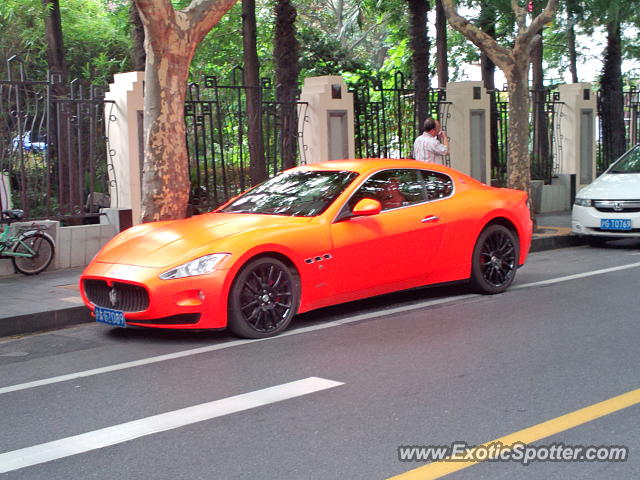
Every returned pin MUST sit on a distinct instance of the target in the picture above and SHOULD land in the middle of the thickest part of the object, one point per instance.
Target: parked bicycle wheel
(43, 249)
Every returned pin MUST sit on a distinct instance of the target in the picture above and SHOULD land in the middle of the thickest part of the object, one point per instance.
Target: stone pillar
(124, 132)
(327, 127)
(468, 128)
(575, 132)
(5, 191)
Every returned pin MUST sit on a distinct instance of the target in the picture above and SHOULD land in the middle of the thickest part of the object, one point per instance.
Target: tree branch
(155, 14)
(498, 54)
(526, 38)
(202, 15)
(521, 15)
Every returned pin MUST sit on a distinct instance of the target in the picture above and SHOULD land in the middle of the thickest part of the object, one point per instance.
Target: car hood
(163, 244)
(613, 186)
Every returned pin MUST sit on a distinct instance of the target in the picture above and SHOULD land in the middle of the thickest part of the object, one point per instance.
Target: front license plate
(110, 317)
(615, 224)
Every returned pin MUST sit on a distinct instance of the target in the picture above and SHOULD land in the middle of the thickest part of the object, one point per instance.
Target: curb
(42, 321)
(66, 317)
(556, 241)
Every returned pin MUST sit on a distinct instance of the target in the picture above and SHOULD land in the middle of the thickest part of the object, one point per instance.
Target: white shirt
(428, 149)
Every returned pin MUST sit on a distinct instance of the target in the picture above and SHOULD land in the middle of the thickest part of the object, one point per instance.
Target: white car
(609, 208)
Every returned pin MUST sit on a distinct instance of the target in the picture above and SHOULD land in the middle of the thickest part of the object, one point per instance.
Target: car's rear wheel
(495, 260)
(263, 299)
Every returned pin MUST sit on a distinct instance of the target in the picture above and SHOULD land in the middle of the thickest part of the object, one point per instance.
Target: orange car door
(395, 247)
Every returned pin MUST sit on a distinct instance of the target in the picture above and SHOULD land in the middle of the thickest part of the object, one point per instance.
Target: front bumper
(586, 221)
(197, 302)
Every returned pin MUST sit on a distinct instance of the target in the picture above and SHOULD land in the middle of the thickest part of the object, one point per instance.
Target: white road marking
(576, 276)
(312, 328)
(66, 447)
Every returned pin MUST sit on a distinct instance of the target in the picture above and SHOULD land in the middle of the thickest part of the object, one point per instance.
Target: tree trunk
(441, 45)
(419, 58)
(571, 39)
(514, 62)
(171, 38)
(138, 55)
(53, 33)
(542, 166)
(59, 131)
(612, 100)
(257, 166)
(165, 179)
(286, 56)
(518, 169)
(487, 23)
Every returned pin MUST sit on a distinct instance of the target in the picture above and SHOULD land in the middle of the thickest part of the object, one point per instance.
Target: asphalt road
(337, 395)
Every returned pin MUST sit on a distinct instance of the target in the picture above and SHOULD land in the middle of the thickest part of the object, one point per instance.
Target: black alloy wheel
(495, 260)
(263, 299)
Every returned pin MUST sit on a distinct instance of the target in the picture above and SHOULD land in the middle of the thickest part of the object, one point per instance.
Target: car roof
(366, 165)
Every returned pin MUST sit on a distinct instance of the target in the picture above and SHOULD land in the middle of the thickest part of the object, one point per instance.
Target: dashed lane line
(66, 447)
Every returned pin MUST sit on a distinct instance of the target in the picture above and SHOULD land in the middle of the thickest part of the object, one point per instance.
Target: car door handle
(430, 218)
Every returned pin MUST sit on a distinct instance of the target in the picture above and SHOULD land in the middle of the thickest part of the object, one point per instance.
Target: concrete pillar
(5, 191)
(575, 132)
(327, 127)
(468, 128)
(124, 133)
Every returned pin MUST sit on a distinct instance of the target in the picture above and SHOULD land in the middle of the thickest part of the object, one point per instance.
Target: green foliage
(95, 32)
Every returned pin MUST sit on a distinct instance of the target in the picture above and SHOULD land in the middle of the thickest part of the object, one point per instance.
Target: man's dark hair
(429, 124)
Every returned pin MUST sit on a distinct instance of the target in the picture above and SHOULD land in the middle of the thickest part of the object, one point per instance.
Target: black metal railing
(543, 152)
(217, 137)
(52, 146)
(631, 111)
(385, 116)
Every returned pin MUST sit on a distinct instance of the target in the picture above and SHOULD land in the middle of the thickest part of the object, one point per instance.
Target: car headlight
(582, 202)
(199, 266)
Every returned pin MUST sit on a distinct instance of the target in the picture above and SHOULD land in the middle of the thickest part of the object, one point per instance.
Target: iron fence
(544, 150)
(217, 137)
(52, 146)
(631, 112)
(385, 117)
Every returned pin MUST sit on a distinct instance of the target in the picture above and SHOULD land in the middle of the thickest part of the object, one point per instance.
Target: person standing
(433, 144)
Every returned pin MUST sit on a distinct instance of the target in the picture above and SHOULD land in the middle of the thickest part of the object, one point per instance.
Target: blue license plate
(110, 317)
(615, 224)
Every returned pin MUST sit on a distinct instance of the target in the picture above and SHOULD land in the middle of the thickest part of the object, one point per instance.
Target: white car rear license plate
(615, 224)
(110, 317)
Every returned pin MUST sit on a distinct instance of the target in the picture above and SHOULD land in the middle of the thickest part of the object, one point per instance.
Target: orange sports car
(312, 236)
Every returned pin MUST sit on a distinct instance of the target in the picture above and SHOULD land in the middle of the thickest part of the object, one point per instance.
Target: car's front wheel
(495, 260)
(263, 299)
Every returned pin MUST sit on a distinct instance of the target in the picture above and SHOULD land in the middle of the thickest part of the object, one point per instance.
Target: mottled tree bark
(419, 58)
(285, 52)
(257, 166)
(170, 40)
(611, 96)
(441, 45)
(514, 63)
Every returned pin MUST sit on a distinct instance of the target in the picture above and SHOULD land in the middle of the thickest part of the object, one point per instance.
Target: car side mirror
(366, 207)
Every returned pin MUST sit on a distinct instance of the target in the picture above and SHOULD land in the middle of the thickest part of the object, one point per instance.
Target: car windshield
(628, 163)
(297, 193)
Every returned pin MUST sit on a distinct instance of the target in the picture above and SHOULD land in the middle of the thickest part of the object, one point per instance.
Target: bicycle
(31, 250)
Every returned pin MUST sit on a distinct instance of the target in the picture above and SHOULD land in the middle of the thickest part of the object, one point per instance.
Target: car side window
(438, 184)
(392, 188)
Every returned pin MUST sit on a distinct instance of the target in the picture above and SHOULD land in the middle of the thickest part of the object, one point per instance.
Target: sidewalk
(51, 300)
